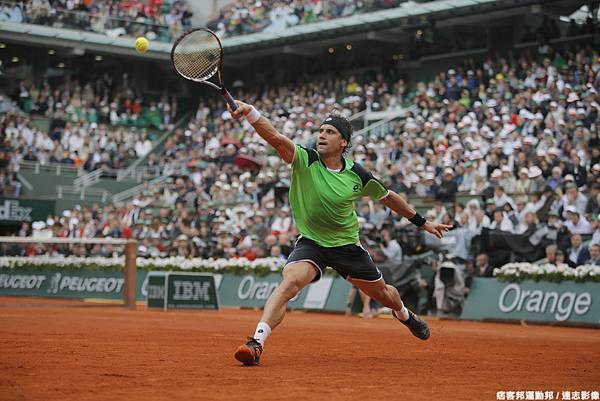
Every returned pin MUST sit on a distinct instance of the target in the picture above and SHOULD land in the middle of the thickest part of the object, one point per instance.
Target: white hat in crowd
(534, 172)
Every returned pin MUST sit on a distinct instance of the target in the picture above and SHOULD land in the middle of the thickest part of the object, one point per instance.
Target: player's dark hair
(343, 126)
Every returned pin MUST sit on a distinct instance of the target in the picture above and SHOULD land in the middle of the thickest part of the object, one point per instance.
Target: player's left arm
(374, 189)
(404, 209)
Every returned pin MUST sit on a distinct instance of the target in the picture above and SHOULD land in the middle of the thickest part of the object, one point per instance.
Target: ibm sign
(182, 291)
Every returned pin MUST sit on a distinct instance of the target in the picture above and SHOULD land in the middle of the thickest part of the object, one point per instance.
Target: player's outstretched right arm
(282, 144)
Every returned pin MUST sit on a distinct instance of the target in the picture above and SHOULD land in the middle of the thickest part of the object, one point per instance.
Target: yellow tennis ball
(142, 44)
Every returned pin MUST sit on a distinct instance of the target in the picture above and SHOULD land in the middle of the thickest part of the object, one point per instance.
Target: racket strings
(197, 56)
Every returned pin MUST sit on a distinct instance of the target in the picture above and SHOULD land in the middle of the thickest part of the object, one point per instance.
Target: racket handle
(229, 99)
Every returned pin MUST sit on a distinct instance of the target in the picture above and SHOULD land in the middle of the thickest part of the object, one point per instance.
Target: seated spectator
(446, 192)
(479, 185)
(390, 248)
(501, 222)
(508, 181)
(560, 258)
(572, 197)
(596, 229)
(438, 211)
(577, 224)
(594, 258)
(482, 266)
(282, 223)
(577, 254)
(501, 198)
(551, 251)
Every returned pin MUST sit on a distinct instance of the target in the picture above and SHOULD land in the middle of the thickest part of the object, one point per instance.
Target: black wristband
(417, 220)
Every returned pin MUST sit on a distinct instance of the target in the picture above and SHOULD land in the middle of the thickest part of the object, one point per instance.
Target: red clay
(55, 352)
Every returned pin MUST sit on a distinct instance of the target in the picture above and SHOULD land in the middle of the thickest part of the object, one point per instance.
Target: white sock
(402, 314)
(262, 332)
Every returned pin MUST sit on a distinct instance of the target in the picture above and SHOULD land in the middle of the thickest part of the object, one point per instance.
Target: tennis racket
(197, 57)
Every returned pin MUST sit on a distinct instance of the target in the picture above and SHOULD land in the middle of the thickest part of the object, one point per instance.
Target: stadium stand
(157, 19)
(248, 16)
(92, 125)
(522, 112)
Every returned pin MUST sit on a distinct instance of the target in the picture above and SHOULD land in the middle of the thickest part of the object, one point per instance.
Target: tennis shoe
(249, 353)
(417, 326)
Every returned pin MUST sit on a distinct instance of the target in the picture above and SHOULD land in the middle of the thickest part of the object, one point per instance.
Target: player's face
(330, 141)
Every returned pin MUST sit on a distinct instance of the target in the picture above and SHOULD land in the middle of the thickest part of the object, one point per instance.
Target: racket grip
(229, 100)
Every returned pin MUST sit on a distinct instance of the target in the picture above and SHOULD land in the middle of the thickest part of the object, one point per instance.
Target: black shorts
(350, 261)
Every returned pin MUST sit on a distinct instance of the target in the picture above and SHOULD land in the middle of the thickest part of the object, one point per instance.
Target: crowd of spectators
(96, 124)
(161, 20)
(165, 20)
(505, 149)
(517, 134)
(251, 16)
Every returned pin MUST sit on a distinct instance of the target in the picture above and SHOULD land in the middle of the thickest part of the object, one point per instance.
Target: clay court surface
(58, 351)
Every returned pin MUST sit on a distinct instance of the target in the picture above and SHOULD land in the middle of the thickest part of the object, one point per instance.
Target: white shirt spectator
(142, 148)
(595, 237)
(580, 203)
(393, 252)
(479, 220)
(27, 135)
(12, 133)
(75, 142)
(574, 253)
(377, 215)
(502, 200)
(504, 225)
(582, 227)
(437, 213)
(281, 224)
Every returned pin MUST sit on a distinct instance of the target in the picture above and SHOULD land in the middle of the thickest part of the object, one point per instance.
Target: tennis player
(324, 187)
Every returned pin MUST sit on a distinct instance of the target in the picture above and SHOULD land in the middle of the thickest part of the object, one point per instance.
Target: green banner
(17, 211)
(155, 290)
(329, 293)
(533, 301)
(191, 291)
(66, 284)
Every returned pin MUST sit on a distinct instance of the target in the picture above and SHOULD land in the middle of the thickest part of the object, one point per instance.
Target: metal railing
(88, 179)
(139, 174)
(57, 168)
(358, 119)
(152, 172)
(83, 193)
(380, 128)
(156, 183)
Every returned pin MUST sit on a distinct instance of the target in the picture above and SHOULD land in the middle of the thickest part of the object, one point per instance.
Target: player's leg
(355, 264)
(386, 294)
(296, 276)
(389, 296)
(304, 266)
